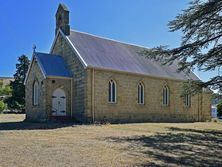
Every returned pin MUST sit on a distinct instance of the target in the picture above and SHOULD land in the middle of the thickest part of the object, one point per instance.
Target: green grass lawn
(149, 144)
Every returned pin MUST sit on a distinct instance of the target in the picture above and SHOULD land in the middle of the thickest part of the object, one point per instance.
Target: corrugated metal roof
(109, 54)
(52, 65)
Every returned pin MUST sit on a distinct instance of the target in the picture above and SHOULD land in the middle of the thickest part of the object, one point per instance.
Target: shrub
(2, 106)
(219, 109)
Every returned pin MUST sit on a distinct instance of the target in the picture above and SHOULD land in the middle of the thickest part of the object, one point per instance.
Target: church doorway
(58, 103)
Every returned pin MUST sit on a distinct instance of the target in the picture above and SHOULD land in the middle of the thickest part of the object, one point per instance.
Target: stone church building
(93, 79)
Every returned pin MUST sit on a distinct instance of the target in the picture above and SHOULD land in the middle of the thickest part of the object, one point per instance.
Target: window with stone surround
(140, 93)
(166, 96)
(112, 91)
(35, 93)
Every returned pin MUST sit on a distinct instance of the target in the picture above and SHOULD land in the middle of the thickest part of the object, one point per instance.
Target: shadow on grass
(23, 125)
(179, 147)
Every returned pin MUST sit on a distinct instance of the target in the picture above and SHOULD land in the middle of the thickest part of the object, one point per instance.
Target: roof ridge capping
(110, 39)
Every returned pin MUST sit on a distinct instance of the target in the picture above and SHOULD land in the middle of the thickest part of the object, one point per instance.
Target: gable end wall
(79, 99)
(35, 113)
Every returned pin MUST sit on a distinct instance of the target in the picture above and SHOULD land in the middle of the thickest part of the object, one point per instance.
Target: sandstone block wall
(127, 110)
(35, 113)
(79, 77)
(42, 111)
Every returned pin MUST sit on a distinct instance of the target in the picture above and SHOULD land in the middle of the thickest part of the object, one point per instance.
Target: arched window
(140, 93)
(187, 100)
(112, 91)
(35, 93)
(166, 95)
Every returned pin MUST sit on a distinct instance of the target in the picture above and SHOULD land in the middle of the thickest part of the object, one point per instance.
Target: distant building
(214, 111)
(6, 80)
(215, 102)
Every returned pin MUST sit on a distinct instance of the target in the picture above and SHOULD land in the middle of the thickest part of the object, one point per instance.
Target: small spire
(34, 48)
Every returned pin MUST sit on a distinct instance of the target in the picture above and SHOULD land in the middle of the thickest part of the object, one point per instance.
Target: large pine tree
(201, 43)
(17, 100)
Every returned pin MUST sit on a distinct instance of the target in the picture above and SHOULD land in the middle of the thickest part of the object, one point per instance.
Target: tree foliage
(201, 44)
(219, 109)
(17, 100)
(5, 90)
(2, 106)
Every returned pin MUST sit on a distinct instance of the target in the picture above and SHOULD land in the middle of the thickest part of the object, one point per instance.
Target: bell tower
(62, 19)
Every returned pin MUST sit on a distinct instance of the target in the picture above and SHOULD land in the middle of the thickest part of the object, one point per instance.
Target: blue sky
(143, 22)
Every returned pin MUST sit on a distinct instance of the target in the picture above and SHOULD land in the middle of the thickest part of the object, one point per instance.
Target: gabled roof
(52, 65)
(98, 52)
(63, 7)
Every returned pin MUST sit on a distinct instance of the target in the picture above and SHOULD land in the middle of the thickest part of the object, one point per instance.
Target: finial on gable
(62, 19)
